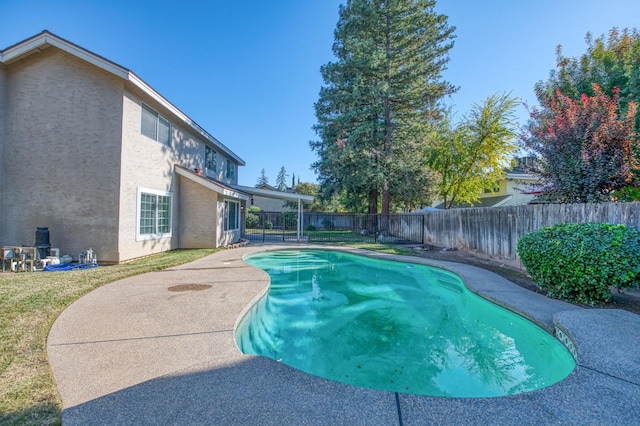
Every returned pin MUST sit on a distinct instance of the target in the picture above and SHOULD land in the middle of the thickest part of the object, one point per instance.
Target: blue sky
(249, 71)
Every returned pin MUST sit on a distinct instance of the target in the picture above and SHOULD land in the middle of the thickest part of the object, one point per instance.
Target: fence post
(376, 222)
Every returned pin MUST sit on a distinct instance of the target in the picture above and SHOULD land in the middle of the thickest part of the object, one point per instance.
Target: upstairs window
(210, 159)
(231, 170)
(155, 126)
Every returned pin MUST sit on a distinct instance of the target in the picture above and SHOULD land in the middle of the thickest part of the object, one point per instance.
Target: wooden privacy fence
(488, 232)
(494, 232)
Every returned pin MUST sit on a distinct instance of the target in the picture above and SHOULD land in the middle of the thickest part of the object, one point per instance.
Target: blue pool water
(394, 326)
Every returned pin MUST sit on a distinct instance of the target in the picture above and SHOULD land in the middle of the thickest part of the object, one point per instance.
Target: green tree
(472, 156)
(281, 179)
(380, 97)
(263, 179)
(609, 62)
(252, 219)
(307, 188)
(613, 63)
(585, 147)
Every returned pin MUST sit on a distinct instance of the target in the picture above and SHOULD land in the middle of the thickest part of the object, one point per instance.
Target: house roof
(482, 202)
(266, 186)
(212, 184)
(519, 174)
(279, 195)
(46, 39)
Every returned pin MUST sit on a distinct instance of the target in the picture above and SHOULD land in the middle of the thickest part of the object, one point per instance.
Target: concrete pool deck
(159, 348)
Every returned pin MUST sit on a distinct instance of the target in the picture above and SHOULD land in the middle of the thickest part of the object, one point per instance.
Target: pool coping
(131, 352)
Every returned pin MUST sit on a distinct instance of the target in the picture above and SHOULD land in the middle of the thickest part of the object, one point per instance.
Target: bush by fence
(580, 261)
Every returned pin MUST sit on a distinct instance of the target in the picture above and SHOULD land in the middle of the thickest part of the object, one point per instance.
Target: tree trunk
(386, 190)
(373, 201)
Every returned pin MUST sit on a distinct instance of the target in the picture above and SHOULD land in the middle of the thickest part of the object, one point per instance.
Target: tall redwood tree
(380, 96)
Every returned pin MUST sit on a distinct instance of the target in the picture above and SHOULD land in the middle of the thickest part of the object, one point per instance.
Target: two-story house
(96, 155)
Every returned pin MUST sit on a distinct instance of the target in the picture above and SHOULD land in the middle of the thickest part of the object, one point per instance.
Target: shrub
(290, 219)
(311, 228)
(252, 221)
(268, 224)
(580, 261)
(327, 223)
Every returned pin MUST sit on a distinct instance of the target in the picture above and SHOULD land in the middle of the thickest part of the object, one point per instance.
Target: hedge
(580, 261)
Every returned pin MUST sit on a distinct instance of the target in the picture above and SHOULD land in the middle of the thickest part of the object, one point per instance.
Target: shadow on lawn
(42, 414)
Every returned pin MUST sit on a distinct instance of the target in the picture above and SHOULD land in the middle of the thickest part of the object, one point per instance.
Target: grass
(321, 236)
(29, 303)
(379, 247)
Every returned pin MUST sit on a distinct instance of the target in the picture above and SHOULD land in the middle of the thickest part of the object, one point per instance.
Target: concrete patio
(159, 348)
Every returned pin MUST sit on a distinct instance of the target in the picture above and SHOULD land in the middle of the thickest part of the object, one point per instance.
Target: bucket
(42, 242)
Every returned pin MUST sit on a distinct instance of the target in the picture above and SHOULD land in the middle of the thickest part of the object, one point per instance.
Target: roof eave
(218, 187)
(45, 39)
(279, 195)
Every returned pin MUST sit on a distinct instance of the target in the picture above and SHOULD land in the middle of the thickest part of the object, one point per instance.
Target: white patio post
(299, 219)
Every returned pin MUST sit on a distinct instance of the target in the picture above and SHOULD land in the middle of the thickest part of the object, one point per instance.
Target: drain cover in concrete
(189, 287)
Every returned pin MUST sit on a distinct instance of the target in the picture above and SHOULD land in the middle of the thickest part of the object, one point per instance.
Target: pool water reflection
(394, 326)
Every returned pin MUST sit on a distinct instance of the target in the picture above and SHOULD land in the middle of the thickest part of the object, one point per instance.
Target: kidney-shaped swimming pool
(394, 326)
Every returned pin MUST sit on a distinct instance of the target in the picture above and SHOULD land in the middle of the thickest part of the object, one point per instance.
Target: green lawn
(382, 248)
(346, 236)
(29, 303)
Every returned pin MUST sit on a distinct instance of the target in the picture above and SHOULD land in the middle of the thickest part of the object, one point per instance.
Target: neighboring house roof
(482, 202)
(267, 186)
(211, 183)
(518, 174)
(279, 195)
(46, 39)
(425, 210)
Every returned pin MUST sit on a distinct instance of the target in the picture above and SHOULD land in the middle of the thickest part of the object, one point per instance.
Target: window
(210, 159)
(164, 131)
(154, 214)
(231, 215)
(155, 126)
(231, 170)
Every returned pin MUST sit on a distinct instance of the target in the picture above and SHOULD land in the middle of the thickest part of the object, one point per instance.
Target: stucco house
(516, 188)
(96, 155)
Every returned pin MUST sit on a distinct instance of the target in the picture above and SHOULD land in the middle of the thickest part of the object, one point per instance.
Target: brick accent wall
(199, 217)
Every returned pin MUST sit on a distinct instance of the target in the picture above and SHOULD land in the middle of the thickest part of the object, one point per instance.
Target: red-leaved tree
(585, 147)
